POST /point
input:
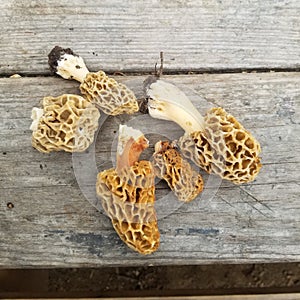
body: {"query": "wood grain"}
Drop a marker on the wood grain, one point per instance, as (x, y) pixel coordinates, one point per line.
(128, 35)
(52, 224)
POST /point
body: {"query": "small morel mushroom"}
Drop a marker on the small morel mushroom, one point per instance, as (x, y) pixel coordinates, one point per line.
(217, 143)
(182, 179)
(127, 193)
(67, 122)
(111, 97)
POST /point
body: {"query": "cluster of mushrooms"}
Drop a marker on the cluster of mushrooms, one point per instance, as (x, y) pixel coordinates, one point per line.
(217, 143)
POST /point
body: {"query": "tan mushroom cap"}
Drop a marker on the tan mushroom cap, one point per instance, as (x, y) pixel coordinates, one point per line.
(225, 148)
(182, 179)
(67, 123)
(131, 207)
(113, 98)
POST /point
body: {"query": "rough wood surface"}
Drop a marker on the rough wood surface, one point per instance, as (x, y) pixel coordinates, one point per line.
(128, 35)
(52, 224)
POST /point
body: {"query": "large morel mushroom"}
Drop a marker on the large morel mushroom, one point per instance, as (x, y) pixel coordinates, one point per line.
(127, 193)
(217, 143)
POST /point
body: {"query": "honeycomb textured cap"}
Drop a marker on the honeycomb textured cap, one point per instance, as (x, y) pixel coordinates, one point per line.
(113, 98)
(225, 148)
(139, 175)
(182, 179)
(68, 123)
(130, 207)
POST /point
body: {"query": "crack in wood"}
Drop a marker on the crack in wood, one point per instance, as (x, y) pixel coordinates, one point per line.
(190, 71)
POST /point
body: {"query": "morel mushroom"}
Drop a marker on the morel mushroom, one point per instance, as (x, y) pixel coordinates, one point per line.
(67, 122)
(113, 98)
(217, 143)
(182, 179)
(127, 193)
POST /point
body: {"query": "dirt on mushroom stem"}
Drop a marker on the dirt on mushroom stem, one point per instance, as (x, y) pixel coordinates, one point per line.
(56, 55)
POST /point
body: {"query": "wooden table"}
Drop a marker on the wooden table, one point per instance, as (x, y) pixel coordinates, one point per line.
(241, 55)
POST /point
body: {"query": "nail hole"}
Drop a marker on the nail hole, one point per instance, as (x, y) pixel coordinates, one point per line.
(4, 153)
(10, 205)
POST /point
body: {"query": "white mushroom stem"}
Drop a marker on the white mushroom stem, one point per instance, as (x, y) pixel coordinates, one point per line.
(158, 146)
(72, 67)
(131, 144)
(36, 114)
(168, 102)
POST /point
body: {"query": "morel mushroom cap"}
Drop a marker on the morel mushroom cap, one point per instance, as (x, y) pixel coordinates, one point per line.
(225, 148)
(67, 122)
(217, 143)
(111, 97)
(182, 179)
(127, 194)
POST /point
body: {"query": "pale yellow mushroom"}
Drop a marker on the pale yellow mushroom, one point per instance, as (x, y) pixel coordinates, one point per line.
(65, 123)
(127, 194)
(217, 142)
(182, 179)
(111, 97)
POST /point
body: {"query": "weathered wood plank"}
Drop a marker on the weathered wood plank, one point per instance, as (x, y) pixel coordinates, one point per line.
(52, 224)
(127, 36)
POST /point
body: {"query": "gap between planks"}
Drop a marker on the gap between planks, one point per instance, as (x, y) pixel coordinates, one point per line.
(200, 71)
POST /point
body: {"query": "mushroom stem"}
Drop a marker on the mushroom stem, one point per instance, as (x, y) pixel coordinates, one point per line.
(131, 143)
(36, 114)
(67, 64)
(72, 67)
(167, 102)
